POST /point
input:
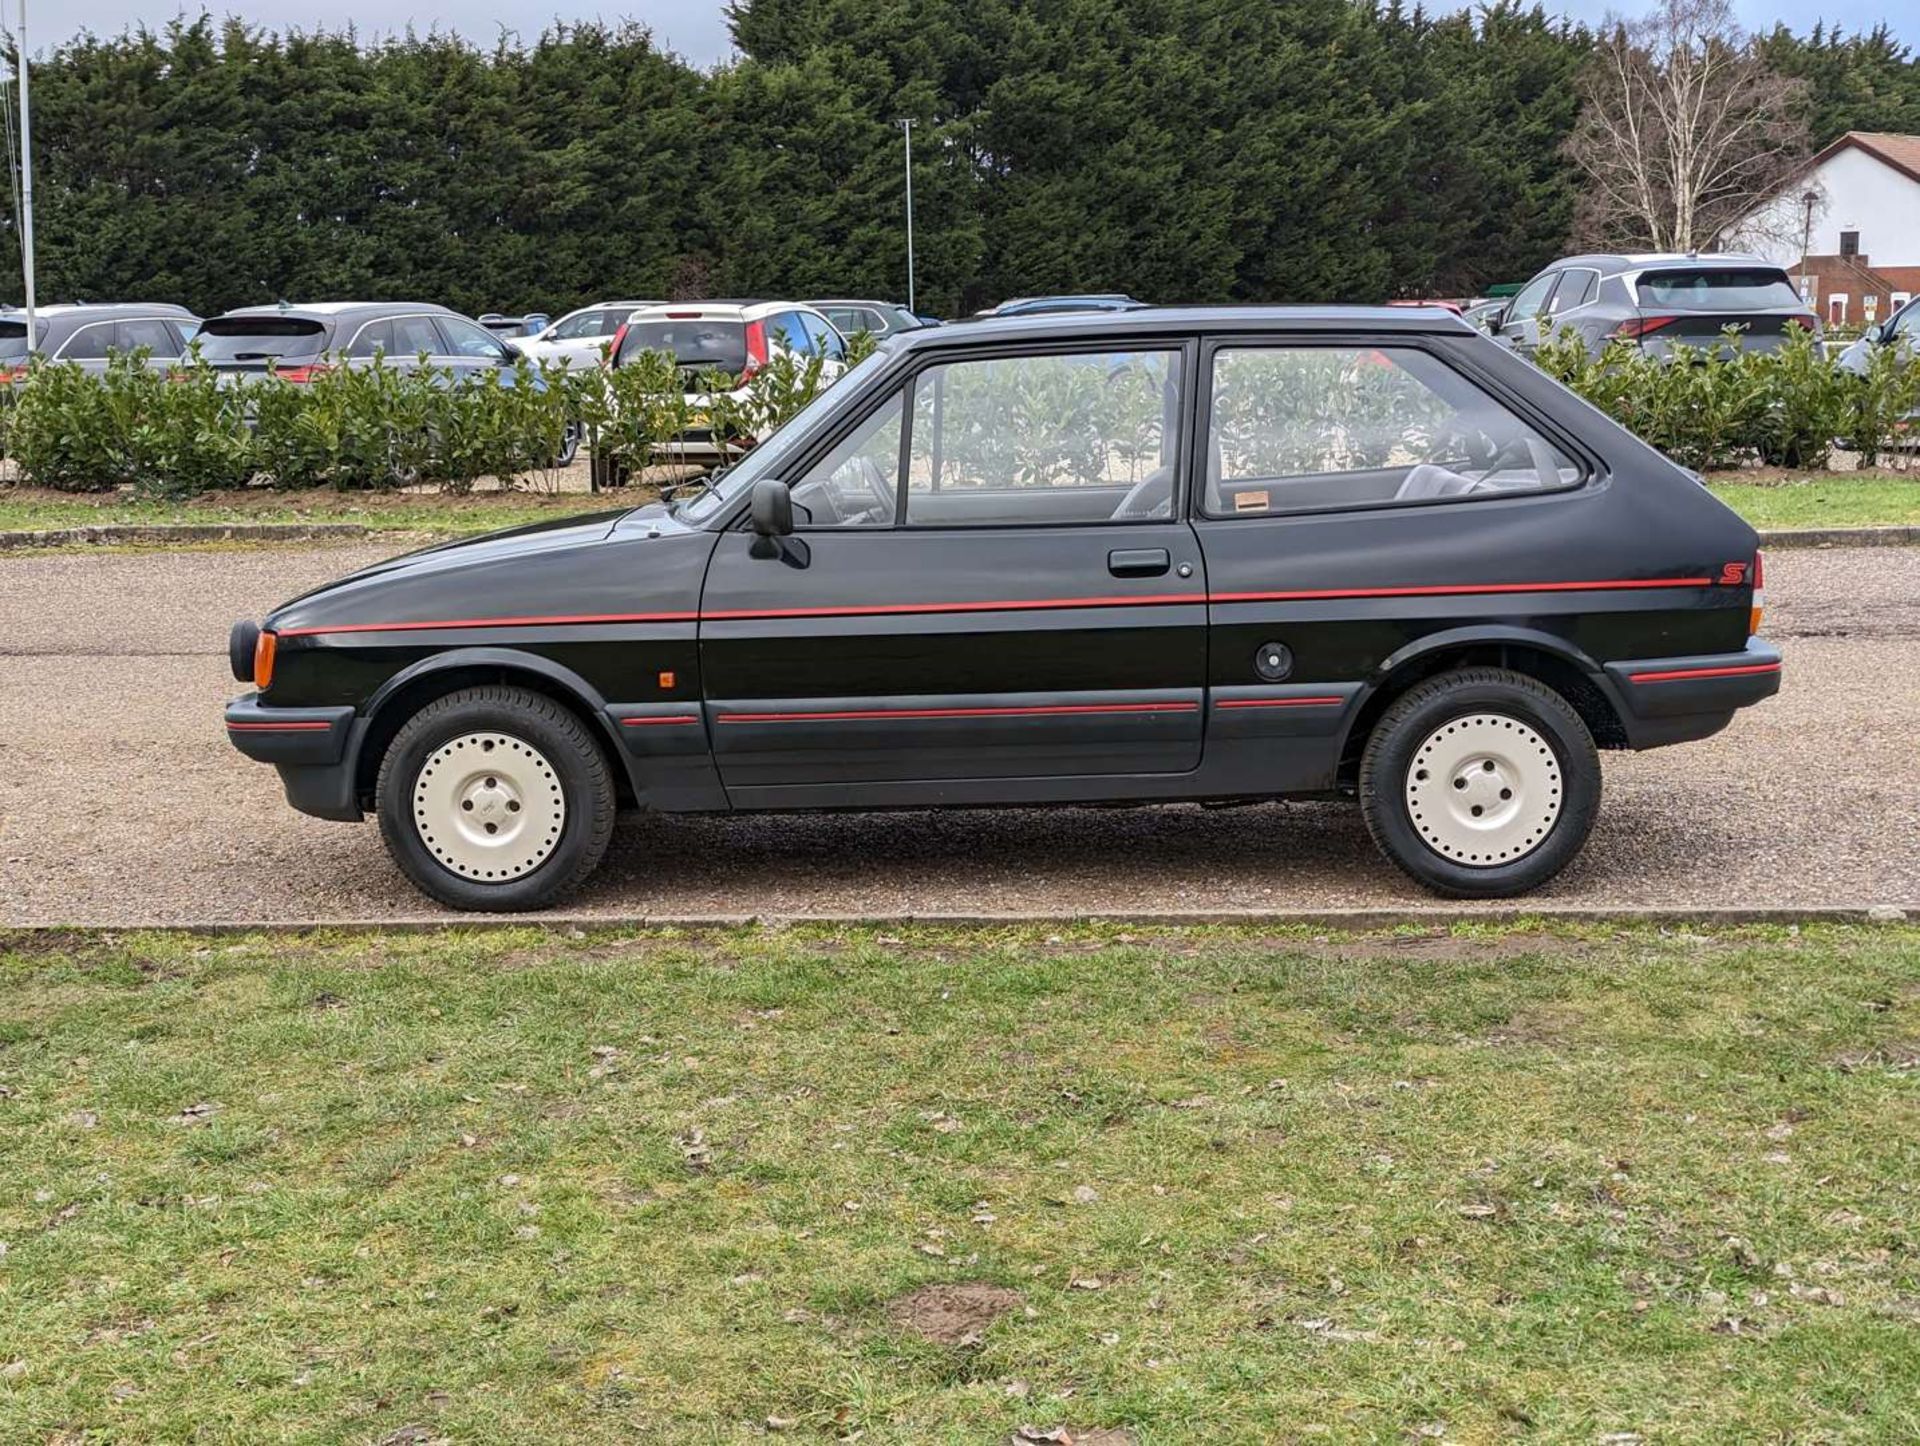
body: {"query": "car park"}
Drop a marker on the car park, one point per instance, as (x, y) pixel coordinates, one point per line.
(88, 334)
(580, 338)
(1656, 301)
(876, 318)
(1208, 554)
(726, 339)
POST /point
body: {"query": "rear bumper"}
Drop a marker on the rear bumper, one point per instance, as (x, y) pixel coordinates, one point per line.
(1672, 700)
(313, 748)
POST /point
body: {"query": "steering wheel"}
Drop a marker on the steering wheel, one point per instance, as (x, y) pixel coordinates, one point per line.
(1150, 497)
(855, 494)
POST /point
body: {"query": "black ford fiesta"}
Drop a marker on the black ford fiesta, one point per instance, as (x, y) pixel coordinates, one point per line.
(1156, 555)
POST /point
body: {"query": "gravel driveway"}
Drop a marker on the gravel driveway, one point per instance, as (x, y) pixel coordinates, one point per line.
(121, 803)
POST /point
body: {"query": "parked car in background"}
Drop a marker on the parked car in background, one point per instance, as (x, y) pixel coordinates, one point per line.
(877, 318)
(1092, 301)
(294, 343)
(580, 338)
(1655, 301)
(512, 328)
(1901, 334)
(88, 333)
(733, 338)
(1239, 553)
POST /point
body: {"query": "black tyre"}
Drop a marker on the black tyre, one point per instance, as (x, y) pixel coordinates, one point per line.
(1480, 784)
(569, 445)
(495, 798)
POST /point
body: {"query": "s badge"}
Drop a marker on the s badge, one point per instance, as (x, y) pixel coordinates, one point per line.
(1733, 574)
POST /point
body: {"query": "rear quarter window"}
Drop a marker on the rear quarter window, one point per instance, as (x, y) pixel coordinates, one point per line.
(13, 340)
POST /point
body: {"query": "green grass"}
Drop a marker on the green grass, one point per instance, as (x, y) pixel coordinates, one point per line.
(531, 1187)
(1823, 500)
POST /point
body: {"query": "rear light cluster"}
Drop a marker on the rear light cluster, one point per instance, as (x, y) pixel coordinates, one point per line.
(1759, 603)
(756, 349)
(1639, 326)
(613, 347)
(306, 372)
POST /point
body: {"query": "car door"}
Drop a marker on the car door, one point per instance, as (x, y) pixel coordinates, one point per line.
(990, 595)
(1520, 323)
(467, 347)
(1359, 493)
(154, 335)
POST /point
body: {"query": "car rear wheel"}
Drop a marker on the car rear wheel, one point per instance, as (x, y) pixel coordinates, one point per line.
(495, 798)
(1481, 783)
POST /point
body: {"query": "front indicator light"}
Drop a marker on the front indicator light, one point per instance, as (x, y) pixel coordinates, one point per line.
(263, 654)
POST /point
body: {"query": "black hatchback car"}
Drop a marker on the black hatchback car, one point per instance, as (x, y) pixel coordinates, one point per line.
(1657, 300)
(1182, 554)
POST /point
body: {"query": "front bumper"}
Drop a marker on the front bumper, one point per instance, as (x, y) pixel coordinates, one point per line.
(313, 748)
(1673, 700)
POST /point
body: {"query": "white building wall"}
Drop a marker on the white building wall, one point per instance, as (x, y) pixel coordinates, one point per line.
(1858, 193)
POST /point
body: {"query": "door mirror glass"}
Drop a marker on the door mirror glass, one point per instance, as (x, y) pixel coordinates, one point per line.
(771, 507)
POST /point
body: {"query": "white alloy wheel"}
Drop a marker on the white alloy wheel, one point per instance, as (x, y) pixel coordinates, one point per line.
(489, 806)
(1484, 789)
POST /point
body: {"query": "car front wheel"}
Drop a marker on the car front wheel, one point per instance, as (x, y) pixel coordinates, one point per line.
(495, 798)
(1481, 783)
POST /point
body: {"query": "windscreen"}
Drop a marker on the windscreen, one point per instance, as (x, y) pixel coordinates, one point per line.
(260, 338)
(721, 345)
(13, 340)
(1718, 288)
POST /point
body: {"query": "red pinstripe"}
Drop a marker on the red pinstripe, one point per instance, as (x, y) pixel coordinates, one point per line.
(1278, 702)
(1054, 709)
(275, 727)
(1679, 675)
(1002, 605)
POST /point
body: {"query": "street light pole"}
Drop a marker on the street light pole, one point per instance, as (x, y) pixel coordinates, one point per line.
(26, 175)
(905, 125)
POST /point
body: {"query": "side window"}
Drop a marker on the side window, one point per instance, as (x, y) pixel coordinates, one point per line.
(1085, 437)
(787, 328)
(374, 338)
(89, 343)
(464, 338)
(1307, 429)
(586, 324)
(1533, 296)
(413, 335)
(857, 484)
(149, 332)
(826, 340)
(1576, 288)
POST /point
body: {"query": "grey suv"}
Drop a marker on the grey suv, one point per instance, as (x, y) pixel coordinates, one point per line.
(1655, 301)
(87, 333)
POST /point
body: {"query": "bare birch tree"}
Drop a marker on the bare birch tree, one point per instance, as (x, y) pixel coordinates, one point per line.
(1683, 129)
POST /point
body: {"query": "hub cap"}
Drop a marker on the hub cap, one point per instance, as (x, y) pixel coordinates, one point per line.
(1484, 790)
(489, 807)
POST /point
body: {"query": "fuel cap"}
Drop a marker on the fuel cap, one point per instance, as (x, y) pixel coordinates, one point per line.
(1273, 661)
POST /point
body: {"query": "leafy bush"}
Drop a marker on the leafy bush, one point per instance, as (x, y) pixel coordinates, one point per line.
(1710, 407)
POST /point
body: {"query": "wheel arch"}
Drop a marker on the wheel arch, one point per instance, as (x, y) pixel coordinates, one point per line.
(1551, 660)
(413, 687)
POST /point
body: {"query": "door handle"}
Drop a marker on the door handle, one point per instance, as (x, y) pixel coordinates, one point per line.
(1138, 561)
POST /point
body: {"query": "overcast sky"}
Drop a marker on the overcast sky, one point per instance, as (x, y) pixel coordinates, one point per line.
(697, 28)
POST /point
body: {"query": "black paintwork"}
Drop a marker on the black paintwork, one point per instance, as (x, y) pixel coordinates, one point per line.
(880, 667)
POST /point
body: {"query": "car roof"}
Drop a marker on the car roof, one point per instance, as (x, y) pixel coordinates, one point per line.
(328, 310)
(855, 301)
(1639, 260)
(99, 308)
(1184, 320)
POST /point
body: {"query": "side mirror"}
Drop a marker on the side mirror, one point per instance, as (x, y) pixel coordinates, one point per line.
(771, 507)
(509, 353)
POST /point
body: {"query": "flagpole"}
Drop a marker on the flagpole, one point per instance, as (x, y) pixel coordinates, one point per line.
(26, 176)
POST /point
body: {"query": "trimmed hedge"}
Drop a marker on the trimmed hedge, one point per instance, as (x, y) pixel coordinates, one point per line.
(186, 431)
(1715, 407)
